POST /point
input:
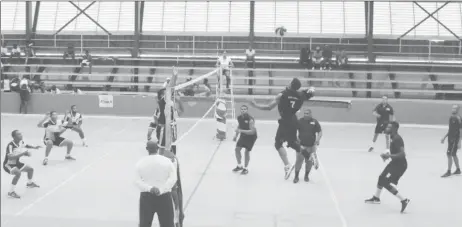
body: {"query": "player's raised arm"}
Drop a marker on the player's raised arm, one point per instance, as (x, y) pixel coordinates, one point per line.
(308, 93)
(42, 122)
(269, 106)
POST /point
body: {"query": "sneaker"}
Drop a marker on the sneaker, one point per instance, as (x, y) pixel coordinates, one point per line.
(288, 171)
(296, 180)
(314, 159)
(70, 158)
(457, 172)
(237, 169)
(371, 149)
(32, 185)
(404, 204)
(245, 171)
(373, 200)
(14, 195)
(307, 178)
(447, 174)
(45, 161)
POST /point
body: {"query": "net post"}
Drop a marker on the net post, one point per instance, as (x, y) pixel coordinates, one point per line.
(169, 100)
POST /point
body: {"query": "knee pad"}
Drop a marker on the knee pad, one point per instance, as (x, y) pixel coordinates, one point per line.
(277, 144)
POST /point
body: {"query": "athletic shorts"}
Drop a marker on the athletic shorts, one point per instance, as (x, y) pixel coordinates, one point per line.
(287, 131)
(380, 127)
(307, 150)
(394, 171)
(24, 94)
(246, 142)
(224, 72)
(57, 142)
(152, 125)
(452, 146)
(9, 167)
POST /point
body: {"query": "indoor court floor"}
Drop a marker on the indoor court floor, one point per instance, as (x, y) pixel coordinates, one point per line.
(98, 189)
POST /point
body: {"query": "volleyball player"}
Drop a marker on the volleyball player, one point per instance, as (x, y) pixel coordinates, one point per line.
(13, 165)
(395, 168)
(309, 134)
(247, 136)
(384, 114)
(53, 131)
(454, 136)
(288, 102)
(73, 120)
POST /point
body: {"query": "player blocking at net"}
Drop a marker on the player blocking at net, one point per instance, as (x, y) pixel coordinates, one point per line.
(247, 134)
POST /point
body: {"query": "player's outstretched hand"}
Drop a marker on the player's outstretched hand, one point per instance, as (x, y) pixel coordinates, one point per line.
(37, 147)
(253, 103)
(27, 153)
(385, 156)
(442, 140)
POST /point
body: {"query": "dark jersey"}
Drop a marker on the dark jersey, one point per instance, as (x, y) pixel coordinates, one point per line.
(13, 148)
(160, 112)
(244, 123)
(307, 130)
(455, 124)
(290, 102)
(385, 111)
(395, 147)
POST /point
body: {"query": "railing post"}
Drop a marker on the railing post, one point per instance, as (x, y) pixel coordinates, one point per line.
(399, 46)
(460, 46)
(222, 42)
(165, 42)
(194, 44)
(429, 48)
(108, 42)
(311, 43)
(81, 44)
(55, 40)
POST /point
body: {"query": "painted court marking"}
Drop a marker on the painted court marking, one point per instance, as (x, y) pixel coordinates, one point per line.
(63, 183)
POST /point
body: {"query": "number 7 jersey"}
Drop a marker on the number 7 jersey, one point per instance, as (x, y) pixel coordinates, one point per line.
(290, 103)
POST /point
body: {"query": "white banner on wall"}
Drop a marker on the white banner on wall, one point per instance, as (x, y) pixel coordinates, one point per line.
(106, 101)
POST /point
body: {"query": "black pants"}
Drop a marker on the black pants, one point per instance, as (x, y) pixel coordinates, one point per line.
(151, 204)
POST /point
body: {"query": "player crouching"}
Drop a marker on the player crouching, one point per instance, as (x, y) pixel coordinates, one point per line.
(53, 137)
(12, 164)
(73, 120)
(309, 134)
(247, 138)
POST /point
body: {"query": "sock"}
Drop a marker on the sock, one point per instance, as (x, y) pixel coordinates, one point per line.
(400, 197)
(288, 166)
(29, 181)
(12, 188)
(377, 193)
(239, 165)
(372, 145)
(296, 173)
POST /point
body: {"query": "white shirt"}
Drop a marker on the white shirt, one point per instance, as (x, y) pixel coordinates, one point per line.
(225, 62)
(4, 50)
(156, 171)
(250, 53)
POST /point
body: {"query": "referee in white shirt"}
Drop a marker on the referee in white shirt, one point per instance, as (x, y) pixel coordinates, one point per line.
(156, 177)
(225, 63)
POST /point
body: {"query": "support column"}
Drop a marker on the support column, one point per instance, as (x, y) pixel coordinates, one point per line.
(136, 43)
(370, 42)
(252, 23)
(28, 20)
(394, 85)
(36, 15)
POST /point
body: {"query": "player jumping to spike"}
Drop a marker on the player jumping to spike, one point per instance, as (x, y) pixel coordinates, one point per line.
(289, 103)
(454, 136)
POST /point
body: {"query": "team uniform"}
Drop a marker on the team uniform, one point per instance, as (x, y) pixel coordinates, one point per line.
(385, 111)
(307, 133)
(10, 164)
(51, 133)
(397, 167)
(455, 124)
(73, 119)
(160, 127)
(289, 104)
(245, 141)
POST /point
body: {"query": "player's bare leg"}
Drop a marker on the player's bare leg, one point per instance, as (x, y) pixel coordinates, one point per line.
(17, 175)
(48, 147)
(298, 165)
(69, 145)
(288, 168)
(452, 158)
(309, 162)
(384, 182)
(456, 162)
(30, 175)
(150, 130)
(246, 162)
(81, 134)
(238, 154)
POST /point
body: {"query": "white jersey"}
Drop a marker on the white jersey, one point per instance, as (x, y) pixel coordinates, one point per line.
(225, 63)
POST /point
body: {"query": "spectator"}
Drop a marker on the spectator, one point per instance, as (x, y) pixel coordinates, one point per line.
(86, 61)
(29, 51)
(342, 59)
(327, 57)
(4, 50)
(317, 58)
(224, 62)
(70, 52)
(250, 57)
(305, 58)
(24, 93)
(16, 51)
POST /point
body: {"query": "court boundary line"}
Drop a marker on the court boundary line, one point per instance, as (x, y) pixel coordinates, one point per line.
(63, 183)
(211, 119)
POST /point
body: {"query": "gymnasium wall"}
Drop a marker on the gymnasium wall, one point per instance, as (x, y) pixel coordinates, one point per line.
(407, 111)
